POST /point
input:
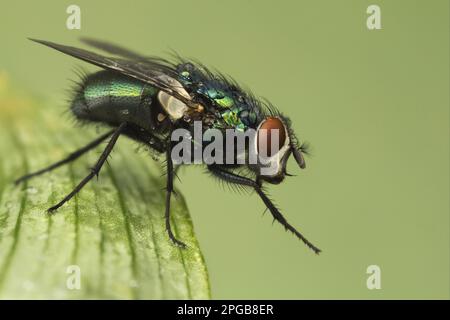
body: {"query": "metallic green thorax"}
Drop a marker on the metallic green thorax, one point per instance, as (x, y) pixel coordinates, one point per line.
(223, 99)
(229, 110)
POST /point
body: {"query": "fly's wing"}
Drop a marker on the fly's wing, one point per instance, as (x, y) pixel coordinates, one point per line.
(113, 49)
(153, 73)
(153, 63)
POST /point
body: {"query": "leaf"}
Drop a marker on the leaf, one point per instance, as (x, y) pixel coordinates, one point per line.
(113, 230)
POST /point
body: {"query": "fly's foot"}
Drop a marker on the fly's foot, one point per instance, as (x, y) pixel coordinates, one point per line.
(178, 243)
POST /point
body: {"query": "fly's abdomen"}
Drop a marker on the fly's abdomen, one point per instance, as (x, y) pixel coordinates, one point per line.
(113, 98)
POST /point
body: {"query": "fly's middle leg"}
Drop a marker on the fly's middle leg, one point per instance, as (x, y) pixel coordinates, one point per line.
(169, 190)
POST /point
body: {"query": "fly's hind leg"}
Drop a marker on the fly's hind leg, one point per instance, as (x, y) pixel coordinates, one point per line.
(96, 169)
(71, 157)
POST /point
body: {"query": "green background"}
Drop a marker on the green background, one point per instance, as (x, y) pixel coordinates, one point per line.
(373, 104)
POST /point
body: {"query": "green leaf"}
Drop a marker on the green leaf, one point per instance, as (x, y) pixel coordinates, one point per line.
(113, 230)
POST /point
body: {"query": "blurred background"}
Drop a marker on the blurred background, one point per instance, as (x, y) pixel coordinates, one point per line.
(374, 104)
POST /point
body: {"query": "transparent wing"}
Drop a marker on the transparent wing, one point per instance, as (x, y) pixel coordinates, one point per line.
(152, 72)
(113, 49)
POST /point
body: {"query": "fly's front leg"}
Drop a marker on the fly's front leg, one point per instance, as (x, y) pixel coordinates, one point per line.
(237, 179)
(169, 190)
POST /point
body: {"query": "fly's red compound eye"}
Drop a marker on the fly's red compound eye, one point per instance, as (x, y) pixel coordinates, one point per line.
(268, 131)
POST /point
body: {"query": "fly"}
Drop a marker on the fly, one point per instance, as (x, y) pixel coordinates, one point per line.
(148, 98)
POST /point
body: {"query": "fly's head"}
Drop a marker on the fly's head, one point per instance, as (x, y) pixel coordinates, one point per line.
(275, 142)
